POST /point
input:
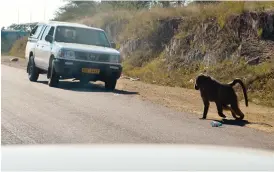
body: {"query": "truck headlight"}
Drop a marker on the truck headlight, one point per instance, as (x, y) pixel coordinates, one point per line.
(68, 54)
(114, 58)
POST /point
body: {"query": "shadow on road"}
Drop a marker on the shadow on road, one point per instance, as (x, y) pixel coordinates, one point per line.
(90, 87)
(234, 122)
(240, 123)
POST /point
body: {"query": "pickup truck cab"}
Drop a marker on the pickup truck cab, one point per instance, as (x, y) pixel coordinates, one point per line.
(72, 51)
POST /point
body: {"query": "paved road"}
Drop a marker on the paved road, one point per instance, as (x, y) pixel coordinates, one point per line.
(33, 113)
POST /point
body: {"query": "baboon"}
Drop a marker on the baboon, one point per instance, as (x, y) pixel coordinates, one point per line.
(222, 94)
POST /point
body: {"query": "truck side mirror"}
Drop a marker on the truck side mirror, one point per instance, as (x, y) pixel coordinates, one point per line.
(113, 45)
(49, 38)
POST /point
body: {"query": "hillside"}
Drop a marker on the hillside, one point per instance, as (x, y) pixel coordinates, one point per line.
(170, 46)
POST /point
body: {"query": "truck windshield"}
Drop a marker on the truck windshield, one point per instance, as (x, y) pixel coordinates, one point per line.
(79, 35)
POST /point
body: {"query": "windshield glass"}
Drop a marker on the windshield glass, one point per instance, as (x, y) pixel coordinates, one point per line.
(81, 36)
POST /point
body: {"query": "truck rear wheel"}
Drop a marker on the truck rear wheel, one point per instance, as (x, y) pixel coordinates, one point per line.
(33, 71)
(110, 84)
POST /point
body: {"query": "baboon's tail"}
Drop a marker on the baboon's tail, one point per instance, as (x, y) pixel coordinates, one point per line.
(234, 82)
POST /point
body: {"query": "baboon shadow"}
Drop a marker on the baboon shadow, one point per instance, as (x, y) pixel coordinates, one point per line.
(240, 123)
(90, 87)
(234, 122)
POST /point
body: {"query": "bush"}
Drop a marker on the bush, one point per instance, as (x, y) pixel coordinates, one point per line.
(18, 48)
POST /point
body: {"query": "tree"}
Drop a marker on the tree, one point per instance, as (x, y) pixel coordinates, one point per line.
(179, 3)
(74, 9)
(165, 4)
(206, 2)
(126, 4)
(79, 3)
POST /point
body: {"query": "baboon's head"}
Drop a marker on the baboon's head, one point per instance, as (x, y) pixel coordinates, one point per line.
(201, 80)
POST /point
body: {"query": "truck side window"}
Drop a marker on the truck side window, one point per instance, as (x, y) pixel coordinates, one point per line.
(102, 37)
(42, 32)
(33, 30)
(48, 31)
(36, 31)
(51, 31)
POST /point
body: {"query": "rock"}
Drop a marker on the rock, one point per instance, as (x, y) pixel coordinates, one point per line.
(131, 79)
(191, 81)
(253, 61)
(14, 59)
(124, 77)
(134, 79)
(256, 101)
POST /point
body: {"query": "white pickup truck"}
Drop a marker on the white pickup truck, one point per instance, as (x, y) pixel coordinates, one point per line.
(72, 51)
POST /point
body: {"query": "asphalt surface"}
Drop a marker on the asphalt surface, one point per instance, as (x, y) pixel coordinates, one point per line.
(34, 113)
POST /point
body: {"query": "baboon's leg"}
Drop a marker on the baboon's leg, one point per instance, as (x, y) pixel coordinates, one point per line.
(220, 110)
(233, 114)
(206, 106)
(226, 107)
(235, 108)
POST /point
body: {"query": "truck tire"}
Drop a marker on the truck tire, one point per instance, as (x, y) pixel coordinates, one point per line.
(110, 84)
(33, 71)
(53, 78)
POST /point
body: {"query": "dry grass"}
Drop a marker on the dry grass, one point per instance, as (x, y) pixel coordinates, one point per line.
(156, 72)
(101, 19)
(18, 48)
(142, 23)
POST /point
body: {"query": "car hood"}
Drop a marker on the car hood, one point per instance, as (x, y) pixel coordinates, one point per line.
(134, 157)
(87, 48)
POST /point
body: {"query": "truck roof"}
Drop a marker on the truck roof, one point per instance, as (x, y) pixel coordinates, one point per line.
(58, 23)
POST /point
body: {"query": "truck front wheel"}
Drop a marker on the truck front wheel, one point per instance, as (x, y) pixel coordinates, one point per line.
(110, 84)
(53, 77)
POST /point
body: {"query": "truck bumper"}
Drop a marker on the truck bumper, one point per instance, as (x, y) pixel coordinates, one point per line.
(73, 69)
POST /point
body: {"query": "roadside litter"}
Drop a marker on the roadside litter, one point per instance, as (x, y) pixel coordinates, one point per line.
(131, 79)
(216, 124)
(134, 79)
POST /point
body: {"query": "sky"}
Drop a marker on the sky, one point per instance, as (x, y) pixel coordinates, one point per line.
(29, 11)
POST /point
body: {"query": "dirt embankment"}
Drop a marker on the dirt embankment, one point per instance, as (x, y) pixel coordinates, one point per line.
(235, 46)
(185, 100)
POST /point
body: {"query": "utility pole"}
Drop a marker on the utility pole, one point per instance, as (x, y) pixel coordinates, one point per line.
(18, 15)
(30, 16)
(45, 5)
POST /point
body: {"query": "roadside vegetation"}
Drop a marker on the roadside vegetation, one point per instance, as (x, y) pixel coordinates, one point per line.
(204, 28)
(259, 79)
(18, 48)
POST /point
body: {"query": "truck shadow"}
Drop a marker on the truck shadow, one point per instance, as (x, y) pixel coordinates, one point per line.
(90, 87)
